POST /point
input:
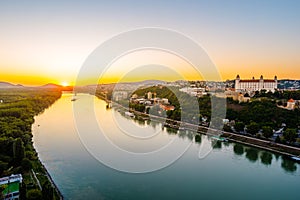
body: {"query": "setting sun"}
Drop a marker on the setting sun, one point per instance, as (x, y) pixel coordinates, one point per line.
(64, 83)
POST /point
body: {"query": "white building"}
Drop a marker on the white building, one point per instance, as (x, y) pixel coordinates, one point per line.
(251, 85)
(193, 91)
(11, 186)
(149, 95)
(291, 104)
(165, 101)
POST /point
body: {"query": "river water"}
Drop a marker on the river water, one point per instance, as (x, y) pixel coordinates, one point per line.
(229, 171)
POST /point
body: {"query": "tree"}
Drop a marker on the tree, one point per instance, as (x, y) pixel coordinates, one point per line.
(227, 128)
(246, 95)
(23, 191)
(277, 139)
(256, 94)
(2, 188)
(34, 194)
(3, 166)
(290, 135)
(267, 131)
(18, 151)
(239, 126)
(253, 128)
(26, 164)
(47, 191)
(263, 92)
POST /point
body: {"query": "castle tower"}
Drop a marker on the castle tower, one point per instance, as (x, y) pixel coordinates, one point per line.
(261, 83)
(237, 83)
(276, 82)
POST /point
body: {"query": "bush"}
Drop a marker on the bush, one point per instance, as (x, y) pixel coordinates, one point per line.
(26, 164)
(34, 194)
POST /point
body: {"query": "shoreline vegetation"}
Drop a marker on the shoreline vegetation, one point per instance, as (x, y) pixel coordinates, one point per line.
(263, 108)
(242, 139)
(18, 108)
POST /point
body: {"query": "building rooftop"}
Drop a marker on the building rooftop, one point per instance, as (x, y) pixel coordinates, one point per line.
(10, 188)
(256, 80)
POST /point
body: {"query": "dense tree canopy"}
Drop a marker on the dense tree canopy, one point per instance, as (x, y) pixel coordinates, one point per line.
(267, 131)
(17, 111)
(290, 135)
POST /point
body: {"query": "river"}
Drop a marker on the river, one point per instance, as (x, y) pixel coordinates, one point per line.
(229, 171)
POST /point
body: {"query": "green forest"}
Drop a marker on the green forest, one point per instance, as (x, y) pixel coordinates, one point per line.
(17, 155)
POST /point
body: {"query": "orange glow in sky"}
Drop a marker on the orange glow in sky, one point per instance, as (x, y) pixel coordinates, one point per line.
(48, 42)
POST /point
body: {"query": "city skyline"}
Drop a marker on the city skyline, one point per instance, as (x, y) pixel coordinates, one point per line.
(48, 42)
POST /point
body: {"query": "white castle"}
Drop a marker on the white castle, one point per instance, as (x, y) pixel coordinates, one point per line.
(251, 85)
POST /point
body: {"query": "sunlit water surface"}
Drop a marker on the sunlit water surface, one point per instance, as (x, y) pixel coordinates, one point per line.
(230, 171)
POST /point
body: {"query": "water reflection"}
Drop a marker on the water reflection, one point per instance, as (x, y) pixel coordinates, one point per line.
(288, 165)
(198, 138)
(70, 164)
(252, 154)
(216, 144)
(173, 131)
(140, 122)
(238, 149)
(266, 158)
(186, 134)
(190, 135)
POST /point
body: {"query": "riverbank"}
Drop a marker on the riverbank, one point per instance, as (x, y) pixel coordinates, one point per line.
(285, 150)
(263, 144)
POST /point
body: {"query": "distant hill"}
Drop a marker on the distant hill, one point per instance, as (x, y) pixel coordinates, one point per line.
(151, 82)
(9, 85)
(51, 85)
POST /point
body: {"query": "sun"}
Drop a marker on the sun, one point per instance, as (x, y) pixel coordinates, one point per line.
(64, 83)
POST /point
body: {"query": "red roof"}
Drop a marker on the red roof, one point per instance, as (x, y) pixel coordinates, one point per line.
(167, 107)
(291, 101)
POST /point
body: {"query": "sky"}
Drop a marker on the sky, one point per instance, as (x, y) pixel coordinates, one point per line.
(49, 41)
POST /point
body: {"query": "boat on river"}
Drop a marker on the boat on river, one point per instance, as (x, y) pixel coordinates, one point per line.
(222, 139)
(296, 158)
(129, 114)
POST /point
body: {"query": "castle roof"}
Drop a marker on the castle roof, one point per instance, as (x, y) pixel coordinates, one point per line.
(269, 80)
(257, 81)
(249, 80)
